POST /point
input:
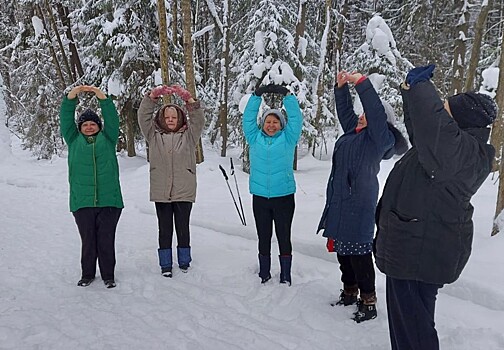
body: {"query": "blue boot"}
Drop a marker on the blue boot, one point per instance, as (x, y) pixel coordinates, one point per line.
(165, 261)
(264, 268)
(184, 258)
(285, 268)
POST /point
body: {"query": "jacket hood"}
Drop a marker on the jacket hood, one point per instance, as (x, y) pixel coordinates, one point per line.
(160, 122)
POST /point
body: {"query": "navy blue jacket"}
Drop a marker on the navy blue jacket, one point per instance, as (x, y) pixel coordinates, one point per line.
(352, 190)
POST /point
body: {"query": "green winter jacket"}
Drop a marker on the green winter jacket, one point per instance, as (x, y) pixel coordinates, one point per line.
(93, 172)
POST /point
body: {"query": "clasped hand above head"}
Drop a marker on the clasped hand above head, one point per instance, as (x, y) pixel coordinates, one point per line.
(169, 90)
(86, 88)
(343, 77)
(272, 88)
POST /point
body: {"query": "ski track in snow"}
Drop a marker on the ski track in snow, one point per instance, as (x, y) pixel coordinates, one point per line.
(219, 303)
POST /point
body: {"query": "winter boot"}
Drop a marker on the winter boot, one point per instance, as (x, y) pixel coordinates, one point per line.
(348, 296)
(84, 282)
(109, 283)
(184, 258)
(285, 269)
(264, 268)
(366, 308)
(165, 261)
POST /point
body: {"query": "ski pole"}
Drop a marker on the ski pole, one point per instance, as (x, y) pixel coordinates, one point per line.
(232, 196)
(238, 191)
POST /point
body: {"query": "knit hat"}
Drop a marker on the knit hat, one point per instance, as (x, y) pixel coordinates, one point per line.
(472, 109)
(89, 115)
(181, 120)
(278, 113)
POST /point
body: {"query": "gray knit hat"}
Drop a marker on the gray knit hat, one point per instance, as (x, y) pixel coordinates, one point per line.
(276, 112)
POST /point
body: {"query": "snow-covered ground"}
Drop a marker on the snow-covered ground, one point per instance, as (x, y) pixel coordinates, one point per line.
(220, 303)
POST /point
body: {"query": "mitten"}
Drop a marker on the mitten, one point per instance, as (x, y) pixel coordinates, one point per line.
(160, 91)
(279, 89)
(419, 74)
(181, 92)
(260, 90)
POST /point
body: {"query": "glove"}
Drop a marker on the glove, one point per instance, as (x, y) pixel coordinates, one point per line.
(274, 89)
(161, 90)
(181, 92)
(279, 89)
(419, 74)
(330, 245)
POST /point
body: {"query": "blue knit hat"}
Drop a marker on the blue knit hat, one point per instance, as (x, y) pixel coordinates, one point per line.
(89, 116)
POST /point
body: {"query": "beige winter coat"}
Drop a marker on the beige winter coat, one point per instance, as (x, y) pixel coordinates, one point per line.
(172, 155)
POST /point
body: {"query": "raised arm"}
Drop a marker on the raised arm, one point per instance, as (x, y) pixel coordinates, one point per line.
(294, 119)
(196, 120)
(145, 114)
(344, 104)
(68, 127)
(438, 139)
(250, 128)
(375, 115)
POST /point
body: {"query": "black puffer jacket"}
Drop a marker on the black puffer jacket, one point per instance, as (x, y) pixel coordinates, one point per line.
(424, 217)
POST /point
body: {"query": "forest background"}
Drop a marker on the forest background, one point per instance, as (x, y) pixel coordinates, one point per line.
(222, 50)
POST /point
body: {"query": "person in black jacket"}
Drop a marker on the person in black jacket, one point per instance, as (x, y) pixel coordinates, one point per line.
(424, 217)
(352, 190)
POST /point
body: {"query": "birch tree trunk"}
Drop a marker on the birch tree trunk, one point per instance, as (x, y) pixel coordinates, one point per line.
(189, 62)
(163, 43)
(478, 38)
(497, 138)
(338, 47)
(320, 74)
(224, 79)
(460, 48)
(298, 72)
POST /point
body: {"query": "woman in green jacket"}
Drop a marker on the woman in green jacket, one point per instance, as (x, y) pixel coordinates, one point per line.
(95, 192)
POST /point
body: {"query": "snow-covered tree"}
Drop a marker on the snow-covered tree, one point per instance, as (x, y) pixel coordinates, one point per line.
(379, 54)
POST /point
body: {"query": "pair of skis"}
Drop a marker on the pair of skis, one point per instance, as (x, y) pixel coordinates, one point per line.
(241, 213)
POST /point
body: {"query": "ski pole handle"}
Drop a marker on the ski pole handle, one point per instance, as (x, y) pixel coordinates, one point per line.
(223, 172)
(232, 166)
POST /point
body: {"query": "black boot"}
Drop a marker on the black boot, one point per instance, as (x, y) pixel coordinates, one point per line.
(348, 296)
(285, 269)
(366, 308)
(264, 268)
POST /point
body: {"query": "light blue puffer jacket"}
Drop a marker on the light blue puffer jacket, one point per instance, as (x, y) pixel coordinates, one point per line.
(272, 157)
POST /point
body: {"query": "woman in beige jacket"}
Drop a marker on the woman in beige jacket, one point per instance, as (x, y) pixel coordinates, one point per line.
(172, 138)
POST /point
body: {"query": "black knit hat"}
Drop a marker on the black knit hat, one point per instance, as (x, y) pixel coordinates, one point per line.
(89, 115)
(472, 109)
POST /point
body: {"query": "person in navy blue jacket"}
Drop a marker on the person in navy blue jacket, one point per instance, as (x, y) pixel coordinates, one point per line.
(424, 219)
(352, 191)
(272, 185)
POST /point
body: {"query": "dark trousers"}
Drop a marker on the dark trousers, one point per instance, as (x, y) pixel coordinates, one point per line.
(358, 270)
(166, 212)
(97, 228)
(410, 306)
(278, 210)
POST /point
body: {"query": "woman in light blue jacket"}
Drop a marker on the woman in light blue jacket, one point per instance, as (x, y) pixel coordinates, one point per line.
(272, 144)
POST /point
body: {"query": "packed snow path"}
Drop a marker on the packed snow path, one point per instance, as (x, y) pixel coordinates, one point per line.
(220, 303)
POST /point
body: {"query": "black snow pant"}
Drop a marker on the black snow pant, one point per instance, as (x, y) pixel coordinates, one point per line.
(278, 210)
(358, 270)
(410, 307)
(166, 212)
(97, 228)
